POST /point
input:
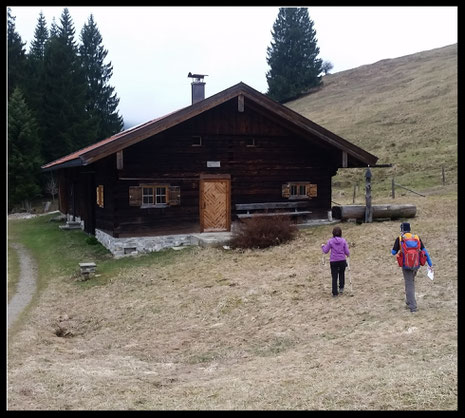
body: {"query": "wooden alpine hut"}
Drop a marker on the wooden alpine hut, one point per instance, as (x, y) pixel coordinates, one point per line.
(233, 155)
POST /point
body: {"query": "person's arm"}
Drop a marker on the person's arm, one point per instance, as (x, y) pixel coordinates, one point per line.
(396, 247)
(325, 247)
(428, 258)
(346, 249)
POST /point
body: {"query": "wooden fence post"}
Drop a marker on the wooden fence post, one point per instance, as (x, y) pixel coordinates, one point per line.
(443, 176)
(368, 207)
(393, 189)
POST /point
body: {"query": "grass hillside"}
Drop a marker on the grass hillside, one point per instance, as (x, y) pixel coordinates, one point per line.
(218, 329)
(402, 110)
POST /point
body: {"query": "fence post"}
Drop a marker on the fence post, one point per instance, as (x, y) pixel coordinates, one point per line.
(368, 207)
(393, 189)
(443, 176)
(353, 198)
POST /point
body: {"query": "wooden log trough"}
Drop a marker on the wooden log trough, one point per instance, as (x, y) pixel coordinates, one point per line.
(357, 212)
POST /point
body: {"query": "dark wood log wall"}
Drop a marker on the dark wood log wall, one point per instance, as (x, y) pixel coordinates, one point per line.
(257, 172)
(105, 174)
(62, 191)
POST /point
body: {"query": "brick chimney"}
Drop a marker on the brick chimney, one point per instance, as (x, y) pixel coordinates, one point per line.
(198, 87)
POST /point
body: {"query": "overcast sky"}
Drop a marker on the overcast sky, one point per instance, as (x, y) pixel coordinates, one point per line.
(152, 49)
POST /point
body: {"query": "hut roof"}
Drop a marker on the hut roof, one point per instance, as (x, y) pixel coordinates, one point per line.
(252, 98)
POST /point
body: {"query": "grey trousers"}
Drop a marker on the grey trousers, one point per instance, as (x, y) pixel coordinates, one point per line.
(409, 279)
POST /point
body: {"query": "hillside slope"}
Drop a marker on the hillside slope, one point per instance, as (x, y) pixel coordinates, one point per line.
(403, 110)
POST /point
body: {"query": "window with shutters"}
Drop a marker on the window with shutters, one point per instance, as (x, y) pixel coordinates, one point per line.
(154, 195)
(100, 195)
(299, 190)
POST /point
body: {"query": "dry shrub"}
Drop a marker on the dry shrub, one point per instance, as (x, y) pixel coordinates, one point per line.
(263, 232)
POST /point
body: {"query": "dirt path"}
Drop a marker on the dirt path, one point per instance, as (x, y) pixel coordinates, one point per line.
(26, 284)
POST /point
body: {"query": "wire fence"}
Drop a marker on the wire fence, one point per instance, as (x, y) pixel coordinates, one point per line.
(394, 185)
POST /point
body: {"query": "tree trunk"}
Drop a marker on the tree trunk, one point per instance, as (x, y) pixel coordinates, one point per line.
(379, 211)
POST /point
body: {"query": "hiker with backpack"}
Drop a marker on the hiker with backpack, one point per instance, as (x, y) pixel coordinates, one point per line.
(411, 254)
(337, 259)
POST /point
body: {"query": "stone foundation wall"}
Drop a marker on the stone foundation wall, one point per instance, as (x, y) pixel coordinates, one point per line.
(121, 247)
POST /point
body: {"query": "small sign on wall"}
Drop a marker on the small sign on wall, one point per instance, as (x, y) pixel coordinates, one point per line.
(213, 163)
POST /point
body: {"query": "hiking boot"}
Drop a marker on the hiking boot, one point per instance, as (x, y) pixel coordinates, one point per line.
(341, 290)
(334, 295)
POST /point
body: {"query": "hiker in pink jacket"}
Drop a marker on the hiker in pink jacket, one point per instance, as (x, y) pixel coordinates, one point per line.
(337, 259)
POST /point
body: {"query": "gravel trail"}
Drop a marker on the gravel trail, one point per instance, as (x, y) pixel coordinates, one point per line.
(26, 285)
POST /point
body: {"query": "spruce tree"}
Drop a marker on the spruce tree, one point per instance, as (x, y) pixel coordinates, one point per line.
(102, 100)
(37, 49)
(292, 56)
(16, 56)
(34, 85)
(53, 28)
(67, 125)
(23, 152)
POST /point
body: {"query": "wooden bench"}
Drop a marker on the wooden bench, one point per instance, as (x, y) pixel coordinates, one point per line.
(276, 208)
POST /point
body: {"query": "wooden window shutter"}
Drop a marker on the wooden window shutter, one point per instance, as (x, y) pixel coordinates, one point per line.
(135, 196)
(312, 190)
(286, 190)
(174, 195)
(100, 196)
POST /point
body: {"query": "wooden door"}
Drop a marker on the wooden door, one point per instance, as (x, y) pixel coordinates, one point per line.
(215, 206)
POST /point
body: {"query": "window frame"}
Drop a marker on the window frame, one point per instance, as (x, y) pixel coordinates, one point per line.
(196, 141)
(148, 194)
(164, 195)
(250, 142)
(155, 194)
(298, 187)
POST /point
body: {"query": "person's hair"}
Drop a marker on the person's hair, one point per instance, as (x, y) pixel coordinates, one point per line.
(337, 232)
(405, 227)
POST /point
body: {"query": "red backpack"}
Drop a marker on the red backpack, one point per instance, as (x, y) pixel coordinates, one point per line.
(410, 256)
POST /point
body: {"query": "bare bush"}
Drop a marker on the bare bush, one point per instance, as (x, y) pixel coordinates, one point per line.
(263, 232)
(52, 188)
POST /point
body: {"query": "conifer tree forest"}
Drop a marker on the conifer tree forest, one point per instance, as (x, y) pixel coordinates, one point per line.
(59, 100)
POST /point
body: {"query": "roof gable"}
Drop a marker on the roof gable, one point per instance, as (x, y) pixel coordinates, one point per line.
(253, 97)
